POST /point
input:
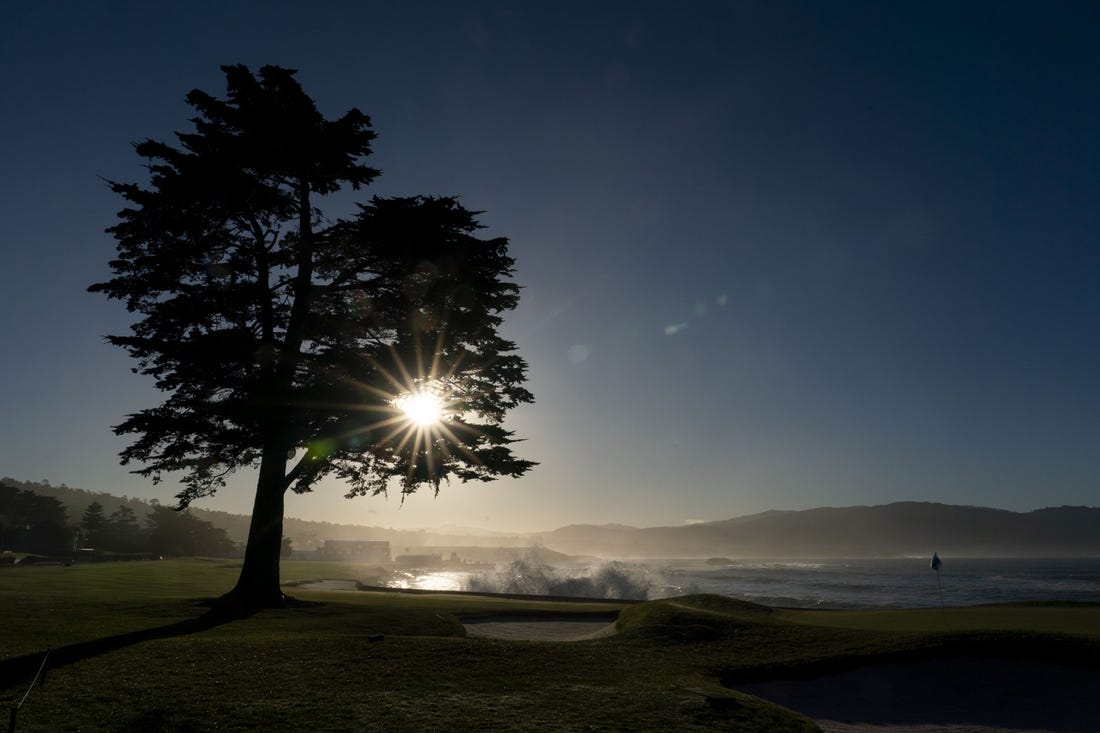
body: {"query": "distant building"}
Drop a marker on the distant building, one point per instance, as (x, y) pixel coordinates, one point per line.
(356, 550)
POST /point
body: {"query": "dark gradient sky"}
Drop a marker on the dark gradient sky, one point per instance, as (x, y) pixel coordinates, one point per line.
(774, 255)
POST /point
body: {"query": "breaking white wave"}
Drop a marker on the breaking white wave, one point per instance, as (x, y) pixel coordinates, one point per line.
(531, 576)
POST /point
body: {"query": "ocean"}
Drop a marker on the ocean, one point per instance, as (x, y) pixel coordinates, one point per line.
(891, 583)
(837, 584)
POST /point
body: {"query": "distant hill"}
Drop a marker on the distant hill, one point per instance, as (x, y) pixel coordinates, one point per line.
(904, 528)
(887, 530)
(77, 500)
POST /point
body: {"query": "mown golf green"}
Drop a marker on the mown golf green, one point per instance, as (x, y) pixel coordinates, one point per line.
(133, 653)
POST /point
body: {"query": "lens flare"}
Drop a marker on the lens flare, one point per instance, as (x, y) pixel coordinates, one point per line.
(422, 408)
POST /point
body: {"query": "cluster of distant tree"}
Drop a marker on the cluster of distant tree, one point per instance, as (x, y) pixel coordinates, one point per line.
(33, 523)
(305, 534)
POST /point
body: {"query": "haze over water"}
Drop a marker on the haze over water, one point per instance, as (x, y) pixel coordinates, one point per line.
(862, 583)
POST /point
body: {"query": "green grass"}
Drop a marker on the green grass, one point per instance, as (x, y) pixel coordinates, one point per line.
(1076, 619)
(316, 668)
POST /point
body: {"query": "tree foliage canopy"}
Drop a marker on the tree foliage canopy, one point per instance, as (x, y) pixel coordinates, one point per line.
(32, 523)
(277, 333)
(24, 508)
(176, 533)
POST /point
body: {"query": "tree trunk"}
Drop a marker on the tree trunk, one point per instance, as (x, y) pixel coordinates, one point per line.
(258, 585)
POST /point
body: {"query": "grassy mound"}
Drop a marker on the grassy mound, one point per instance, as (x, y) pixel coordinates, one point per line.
(689, 619)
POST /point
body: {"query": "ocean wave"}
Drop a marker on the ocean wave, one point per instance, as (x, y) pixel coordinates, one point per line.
(531, 576)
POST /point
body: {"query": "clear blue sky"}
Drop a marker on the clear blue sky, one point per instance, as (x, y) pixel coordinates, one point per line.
(775, 255)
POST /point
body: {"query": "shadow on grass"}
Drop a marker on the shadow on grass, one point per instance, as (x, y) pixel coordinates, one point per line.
(998, 680)
(15, 670)
(995, 692)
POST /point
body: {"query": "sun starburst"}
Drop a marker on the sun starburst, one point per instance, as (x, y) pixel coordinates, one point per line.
(423, 408)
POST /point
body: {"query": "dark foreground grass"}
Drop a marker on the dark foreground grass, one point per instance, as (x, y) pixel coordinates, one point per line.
(137, 661)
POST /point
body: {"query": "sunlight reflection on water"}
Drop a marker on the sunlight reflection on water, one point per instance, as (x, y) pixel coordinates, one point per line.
(429, 580)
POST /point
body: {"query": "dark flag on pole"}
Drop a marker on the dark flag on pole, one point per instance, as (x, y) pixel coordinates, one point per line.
(935, 565)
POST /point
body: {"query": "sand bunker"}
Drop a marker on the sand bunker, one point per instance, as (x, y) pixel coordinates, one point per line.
(549, 628)
(962, 694)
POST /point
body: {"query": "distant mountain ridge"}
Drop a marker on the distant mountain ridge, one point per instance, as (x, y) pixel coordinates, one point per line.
(885, 530)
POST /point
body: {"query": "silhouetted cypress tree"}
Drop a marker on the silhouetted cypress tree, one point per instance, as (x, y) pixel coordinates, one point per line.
(283, 342)
(94, 524)
(123, 532)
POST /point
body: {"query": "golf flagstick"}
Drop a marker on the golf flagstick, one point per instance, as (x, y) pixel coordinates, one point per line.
(936, 566)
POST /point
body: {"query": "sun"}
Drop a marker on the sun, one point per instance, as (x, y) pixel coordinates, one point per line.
(423, 409)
